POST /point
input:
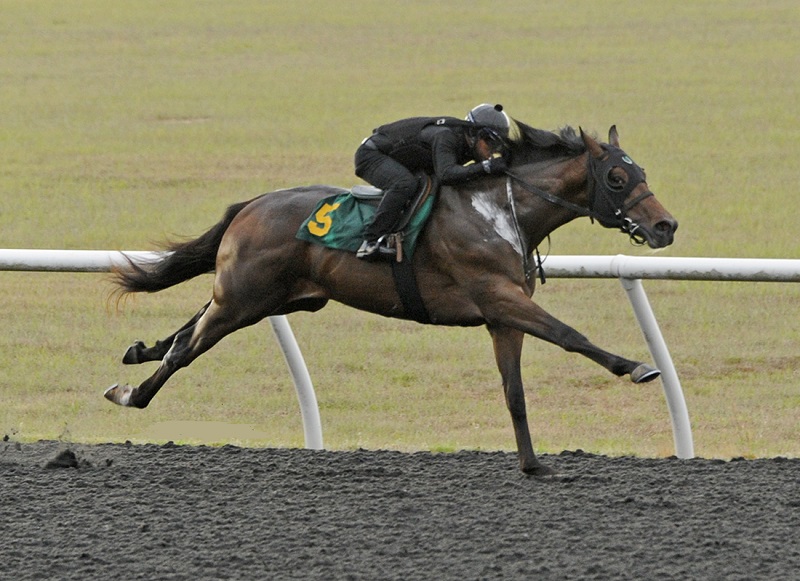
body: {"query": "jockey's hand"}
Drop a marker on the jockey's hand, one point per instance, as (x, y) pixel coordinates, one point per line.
(495, 165)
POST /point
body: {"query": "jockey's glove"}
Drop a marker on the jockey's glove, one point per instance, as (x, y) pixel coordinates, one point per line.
(494, 166)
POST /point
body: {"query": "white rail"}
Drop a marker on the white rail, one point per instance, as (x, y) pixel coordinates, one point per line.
(652, 267)
(69, 260)
(630, 270)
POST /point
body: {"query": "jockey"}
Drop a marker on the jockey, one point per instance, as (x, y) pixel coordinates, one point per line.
(440, 146)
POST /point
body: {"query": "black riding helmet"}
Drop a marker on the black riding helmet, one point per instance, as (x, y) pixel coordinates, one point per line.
(492, 119)
(494, 125)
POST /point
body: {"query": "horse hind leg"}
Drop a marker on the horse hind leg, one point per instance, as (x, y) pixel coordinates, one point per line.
(140, 353)
(140, 397)
(174, 359)
(189, 343)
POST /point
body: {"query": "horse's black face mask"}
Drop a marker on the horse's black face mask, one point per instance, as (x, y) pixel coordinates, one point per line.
(609, 193)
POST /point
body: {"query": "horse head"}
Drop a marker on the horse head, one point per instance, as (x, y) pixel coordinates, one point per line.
(619, 196)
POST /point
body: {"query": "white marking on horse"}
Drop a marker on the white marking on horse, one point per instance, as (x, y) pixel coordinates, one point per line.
(498, 218)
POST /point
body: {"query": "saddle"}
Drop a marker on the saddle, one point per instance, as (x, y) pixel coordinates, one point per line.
(339, 221)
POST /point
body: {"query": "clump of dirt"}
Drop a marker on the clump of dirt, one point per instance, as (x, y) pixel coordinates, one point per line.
(64, 459)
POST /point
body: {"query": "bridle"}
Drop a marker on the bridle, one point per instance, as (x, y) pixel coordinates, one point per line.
(606, 198)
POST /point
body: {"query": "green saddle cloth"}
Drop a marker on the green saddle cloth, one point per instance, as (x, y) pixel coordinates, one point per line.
(339, 222)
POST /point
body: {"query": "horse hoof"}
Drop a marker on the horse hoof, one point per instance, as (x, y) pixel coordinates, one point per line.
(119, 394)
(131, 356)
(644, 373)
(540, 471)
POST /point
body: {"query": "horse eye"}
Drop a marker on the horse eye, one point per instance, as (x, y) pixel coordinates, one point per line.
(616, 181)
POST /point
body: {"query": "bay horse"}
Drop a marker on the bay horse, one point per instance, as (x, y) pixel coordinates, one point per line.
(473, 262)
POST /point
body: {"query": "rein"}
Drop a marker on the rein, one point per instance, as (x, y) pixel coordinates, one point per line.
(526, 263)
(580, 210)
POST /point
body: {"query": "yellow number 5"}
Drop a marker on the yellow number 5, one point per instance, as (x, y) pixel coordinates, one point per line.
(323, 220)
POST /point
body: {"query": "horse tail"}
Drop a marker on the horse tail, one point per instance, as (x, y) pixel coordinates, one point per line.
(180, 262)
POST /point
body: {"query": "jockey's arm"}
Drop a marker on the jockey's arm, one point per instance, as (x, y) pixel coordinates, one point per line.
(449, 149)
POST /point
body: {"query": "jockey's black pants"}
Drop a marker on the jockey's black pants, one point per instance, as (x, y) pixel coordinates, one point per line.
(398, 183)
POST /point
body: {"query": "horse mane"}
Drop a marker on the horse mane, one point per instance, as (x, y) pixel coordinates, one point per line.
(537, 144)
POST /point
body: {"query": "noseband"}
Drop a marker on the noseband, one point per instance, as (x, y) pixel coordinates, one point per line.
(606, 198)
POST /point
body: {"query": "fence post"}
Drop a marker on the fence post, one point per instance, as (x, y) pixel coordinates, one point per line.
(679, 414)
(312, 426)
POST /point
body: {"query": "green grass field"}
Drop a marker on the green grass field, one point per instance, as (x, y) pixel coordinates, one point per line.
(126, 123)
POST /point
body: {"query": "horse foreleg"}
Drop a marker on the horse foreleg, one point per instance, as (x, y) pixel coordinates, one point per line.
(140, 353)
(517, 311)
(571, 340)
(508, 351)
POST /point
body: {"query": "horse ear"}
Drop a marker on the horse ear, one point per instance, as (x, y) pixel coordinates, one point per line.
(591, 145)
(613, 136)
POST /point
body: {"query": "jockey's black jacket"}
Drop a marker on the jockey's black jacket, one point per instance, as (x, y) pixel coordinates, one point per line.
(434, 145)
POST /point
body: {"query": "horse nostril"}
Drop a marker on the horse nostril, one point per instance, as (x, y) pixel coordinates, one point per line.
(667, 226)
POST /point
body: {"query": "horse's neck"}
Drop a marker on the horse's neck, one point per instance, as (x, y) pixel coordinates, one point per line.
(568, 174)
(566, 179)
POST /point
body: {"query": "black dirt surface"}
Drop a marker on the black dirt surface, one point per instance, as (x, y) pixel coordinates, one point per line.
(120, 511)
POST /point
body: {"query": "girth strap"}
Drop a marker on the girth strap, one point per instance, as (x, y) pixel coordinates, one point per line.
(406, 284)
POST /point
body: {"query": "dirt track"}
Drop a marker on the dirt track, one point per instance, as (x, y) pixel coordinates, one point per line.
(174, 512)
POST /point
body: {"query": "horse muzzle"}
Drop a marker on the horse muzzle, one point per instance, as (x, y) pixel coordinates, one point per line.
(659, 235)
(647, 222)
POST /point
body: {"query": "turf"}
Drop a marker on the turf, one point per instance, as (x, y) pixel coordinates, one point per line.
(127, 123)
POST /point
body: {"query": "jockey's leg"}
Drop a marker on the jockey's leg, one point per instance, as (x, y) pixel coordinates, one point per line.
(399, 186)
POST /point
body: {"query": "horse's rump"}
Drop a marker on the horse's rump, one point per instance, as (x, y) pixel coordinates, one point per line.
(182, 261)
(186, 259)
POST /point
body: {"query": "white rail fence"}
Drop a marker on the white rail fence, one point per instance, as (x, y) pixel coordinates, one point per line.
(630, 270)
